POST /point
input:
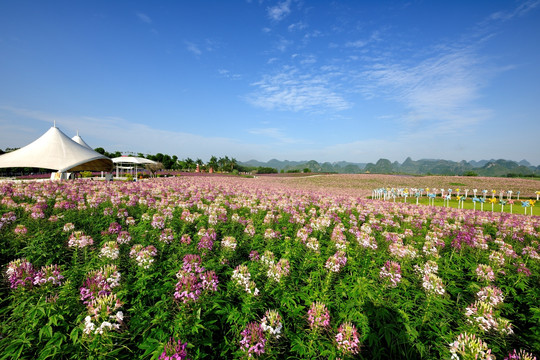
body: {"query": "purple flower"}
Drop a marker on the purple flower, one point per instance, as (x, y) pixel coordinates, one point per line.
(253, 340)
(114, 228)
(167, 236)
(48, 274)
(521, 355)
(174, 350)
(254, 255)
(206, 243)
(20, 272)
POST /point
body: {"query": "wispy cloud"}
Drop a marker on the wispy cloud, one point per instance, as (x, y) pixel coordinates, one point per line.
(193, 48)
(229, 75)
(293, 90)
(520, 10)
(308, 59)
(197, 48)
(375, 36)
(297, 26)
(440, 89)
(283, 44)
(279, 11)
(144, 18)
(356, 43)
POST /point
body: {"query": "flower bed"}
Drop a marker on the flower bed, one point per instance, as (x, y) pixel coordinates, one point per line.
(222, 267)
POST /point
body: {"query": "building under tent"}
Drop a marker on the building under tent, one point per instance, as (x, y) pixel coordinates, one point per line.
(130, 164)
(56, 151)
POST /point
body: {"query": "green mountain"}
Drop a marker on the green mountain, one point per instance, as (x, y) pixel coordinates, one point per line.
(409, 166)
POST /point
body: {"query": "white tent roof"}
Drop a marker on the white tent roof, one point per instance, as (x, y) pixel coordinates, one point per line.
(55, 150)
(80, 141)
(132, 160)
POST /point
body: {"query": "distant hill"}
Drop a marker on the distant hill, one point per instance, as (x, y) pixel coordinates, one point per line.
(447, 167)
(491, 167)
(341, 167)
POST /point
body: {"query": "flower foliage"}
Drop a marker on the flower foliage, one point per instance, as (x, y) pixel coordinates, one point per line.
(242, 268)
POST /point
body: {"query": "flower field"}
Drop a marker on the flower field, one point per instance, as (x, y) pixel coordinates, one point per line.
(224, 267)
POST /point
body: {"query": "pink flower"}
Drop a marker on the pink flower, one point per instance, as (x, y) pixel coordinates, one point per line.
(391, 271)
(318, 316)
(21, 230)
(347, 339)
(485, 273)
(336, 262)
(253, 340)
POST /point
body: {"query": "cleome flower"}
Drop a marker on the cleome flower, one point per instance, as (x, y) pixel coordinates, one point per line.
(110, 250)
(242, 278)
(228, 243)
(48, 274)
(336, 262)
(253, 340)
(521, 355)
(484, 273)
(391, 272)
(104, 315)
(278, 270)
(470, 347)
(193, 279)
(347, 339)
(174, 350)
(271, 323)
(123, 237)
(144, 256)
(20, 273)
(79, 240)
(318, 316)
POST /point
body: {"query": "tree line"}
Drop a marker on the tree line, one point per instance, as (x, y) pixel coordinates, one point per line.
(217, 164)
(167, 162)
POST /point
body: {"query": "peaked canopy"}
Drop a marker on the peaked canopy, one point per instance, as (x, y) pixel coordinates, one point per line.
(55, 150)
(132, 160)
(80, 141)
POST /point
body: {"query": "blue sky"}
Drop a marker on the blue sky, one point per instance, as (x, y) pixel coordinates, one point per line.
(292, 80)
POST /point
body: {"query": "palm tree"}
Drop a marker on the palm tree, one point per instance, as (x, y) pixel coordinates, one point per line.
(190, 164)
(213, 163)
(233, 163)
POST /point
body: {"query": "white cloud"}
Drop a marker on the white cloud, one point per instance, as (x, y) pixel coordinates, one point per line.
(229, 75)
(283, 44)
(521, 10)
(292, 90)
(356, 44)
(193, 48)
(441, 89)
(308, 59)
(297, 26)
(279, 11)
(144, 18)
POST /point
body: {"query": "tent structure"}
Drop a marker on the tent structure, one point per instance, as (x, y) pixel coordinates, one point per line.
(130, 163)
(80, 141)
(56, 151)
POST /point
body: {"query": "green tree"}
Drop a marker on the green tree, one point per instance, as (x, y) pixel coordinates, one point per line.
(213, 163)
